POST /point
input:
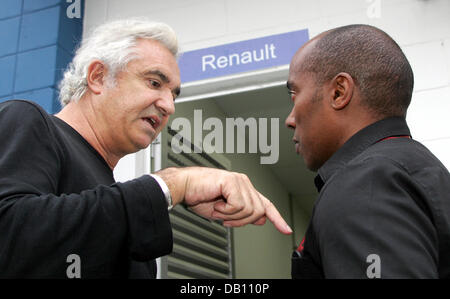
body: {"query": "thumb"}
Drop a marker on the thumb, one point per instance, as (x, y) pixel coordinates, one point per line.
(260, 221)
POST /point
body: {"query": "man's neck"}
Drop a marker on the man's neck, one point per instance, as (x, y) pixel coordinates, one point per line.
(81, 118)
(355, 121)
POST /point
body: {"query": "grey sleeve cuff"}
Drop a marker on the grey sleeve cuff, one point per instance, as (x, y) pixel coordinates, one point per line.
(164, 189)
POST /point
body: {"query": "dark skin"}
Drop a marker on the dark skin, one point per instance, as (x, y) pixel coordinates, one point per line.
(323, 117)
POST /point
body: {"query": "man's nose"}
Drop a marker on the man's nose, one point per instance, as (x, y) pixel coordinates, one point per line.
(290, 121)
(166, 103)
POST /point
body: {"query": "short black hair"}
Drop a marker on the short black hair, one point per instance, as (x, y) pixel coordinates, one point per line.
(373, 59)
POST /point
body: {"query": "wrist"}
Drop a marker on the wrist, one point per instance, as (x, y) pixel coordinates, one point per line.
(176, 180)
(165, 190)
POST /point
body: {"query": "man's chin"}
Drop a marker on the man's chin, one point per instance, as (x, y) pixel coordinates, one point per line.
(143, 143)
(311, 164)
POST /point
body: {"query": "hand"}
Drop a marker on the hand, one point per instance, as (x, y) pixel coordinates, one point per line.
(222, 195)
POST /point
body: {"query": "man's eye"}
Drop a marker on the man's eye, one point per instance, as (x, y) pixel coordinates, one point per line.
(155, 83)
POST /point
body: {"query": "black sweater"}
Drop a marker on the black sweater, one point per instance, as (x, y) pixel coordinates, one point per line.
(58, 197)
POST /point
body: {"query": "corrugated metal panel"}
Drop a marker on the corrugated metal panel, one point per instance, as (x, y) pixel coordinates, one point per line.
(202, 248)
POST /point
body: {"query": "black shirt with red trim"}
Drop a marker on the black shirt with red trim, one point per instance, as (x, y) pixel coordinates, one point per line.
(383, 210)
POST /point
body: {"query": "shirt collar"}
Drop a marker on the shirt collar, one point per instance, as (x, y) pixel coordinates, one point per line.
(392, 126)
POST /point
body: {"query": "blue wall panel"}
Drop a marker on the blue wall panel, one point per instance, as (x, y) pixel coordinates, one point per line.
(40, 96)
(39, 29)
(70, 31)
(36, 69)
(37, 41)
(7, 65)
(10, 8)
(9, 34)
(31, 5)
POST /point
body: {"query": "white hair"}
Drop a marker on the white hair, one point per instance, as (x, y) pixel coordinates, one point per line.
(114, 44)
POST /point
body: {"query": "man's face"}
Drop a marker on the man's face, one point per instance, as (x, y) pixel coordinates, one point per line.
(309, 118)
(138, 107)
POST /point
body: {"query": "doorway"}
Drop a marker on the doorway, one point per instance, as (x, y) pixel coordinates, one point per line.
(281, 177)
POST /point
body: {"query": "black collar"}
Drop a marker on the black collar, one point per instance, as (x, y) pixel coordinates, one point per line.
(393, 126)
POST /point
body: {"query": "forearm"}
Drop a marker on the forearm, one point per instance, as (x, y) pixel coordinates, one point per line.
(176, 180)
(99, 225)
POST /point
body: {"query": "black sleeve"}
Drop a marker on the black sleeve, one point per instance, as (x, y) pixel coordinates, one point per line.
(369, 224)
(39, 228)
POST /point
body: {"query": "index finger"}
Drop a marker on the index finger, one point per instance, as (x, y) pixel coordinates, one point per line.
(275, 217)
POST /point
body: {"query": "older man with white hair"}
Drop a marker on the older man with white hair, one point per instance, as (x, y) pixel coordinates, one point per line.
(58, 197)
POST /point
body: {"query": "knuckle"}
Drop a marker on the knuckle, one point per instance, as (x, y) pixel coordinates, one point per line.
(248, 210)
(245, 177)
(240, 206)
(259, 213)
(261, 210)
(233, 175)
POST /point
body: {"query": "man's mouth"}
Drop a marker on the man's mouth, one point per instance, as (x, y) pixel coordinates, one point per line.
(297, 146)
(153, 121)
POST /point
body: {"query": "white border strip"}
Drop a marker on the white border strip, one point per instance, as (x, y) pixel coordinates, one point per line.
(230, 91)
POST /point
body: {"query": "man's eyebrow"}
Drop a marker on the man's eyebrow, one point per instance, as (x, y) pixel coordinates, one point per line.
(159, 74)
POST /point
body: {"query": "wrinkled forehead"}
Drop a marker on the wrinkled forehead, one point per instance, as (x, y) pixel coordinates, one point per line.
(154, 55)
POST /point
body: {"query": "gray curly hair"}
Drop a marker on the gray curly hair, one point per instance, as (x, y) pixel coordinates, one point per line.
(114, 44)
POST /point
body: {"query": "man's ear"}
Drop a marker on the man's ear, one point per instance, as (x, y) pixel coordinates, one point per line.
(342, 87)
(96, 76)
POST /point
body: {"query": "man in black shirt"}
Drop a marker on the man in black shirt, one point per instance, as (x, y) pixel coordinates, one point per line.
(383, 209)
(58, 198)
